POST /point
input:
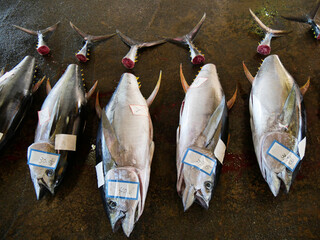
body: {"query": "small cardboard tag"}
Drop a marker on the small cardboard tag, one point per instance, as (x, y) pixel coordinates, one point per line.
(198, 82)
(123, 189)
(44, 116)
(139, 110)
(283, 155)
(66, 142)
(301, 146)
(220, 150)
(100, 177)
(43, 159)
(1, 134)
(200, 161)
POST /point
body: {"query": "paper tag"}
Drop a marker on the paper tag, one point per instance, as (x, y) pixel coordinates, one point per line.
(66, 142)
(43, 159)
(1, 134)
(200, 161)
(123, 189)
(139, 110)
(283, 155)
(100, 177)
(44, 116)
(198, 82)
(301, 146)
(220, 150)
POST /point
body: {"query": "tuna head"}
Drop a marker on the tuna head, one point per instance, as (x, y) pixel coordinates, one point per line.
(123, 198)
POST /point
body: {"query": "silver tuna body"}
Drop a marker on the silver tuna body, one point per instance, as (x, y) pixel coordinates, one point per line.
(203, 132)
(277, 117)
(62, 115)
(15, 97)
(125, 148)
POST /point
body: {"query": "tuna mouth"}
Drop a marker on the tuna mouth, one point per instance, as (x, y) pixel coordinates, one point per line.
(118, 222)
(41, 182)
(191, 195)
(198, 59)
(128, 63)
(264, 49)
(81, 58)
(43, 50)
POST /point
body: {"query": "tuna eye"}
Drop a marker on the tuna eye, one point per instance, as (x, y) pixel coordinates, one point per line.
(112, 205)
(49, 173)
(208, 185)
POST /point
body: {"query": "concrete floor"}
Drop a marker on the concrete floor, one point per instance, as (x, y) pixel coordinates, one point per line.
(243, 207)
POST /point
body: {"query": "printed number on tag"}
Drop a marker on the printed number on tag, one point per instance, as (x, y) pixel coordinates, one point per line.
(66, 142)
(139, 110)
(100, 177)
(199, 81)
(200, 161)
(1, 134)
(123, 189)
(283, 155)
(44, 116)
(43, 159)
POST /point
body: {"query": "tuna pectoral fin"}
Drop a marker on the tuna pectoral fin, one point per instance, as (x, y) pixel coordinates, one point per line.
(305, 87)
(183, 80)
(247, 73)
(91, 91)
(37, 85)
(232, 100)
(155, 91)
(188, 197)
(191, 35)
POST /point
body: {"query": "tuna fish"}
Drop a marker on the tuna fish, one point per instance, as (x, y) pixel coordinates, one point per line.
(124, 152)
(202, 137)
(264, 47)
(42, 47)
(278, 123)
(57, 131)
(89, 40)
(187, 40)
(16, 90)
(130, 59)
(309, 19)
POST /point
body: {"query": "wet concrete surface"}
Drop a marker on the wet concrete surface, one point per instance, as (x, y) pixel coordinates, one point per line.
(243, 207)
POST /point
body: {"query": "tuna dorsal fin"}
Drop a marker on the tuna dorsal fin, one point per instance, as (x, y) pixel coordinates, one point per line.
(37, 85)
(247, 73)
(191, 35)
(91, 91)
(276, 33)
(97, 106)
(288, 108)
(232, 100)
(48, 86)
(155, 91)
(305, 87)
(183, 80)
(91, 38)
(314, 11)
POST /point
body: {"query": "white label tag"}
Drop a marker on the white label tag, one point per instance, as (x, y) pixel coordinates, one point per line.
(301, 146)
(66, 142)
(100, 177)
(43, 159)
(283, 155)
(139, 110)
(123, 189)
(200, 161)
(220, 150)
(1, 134)
(44, 116)
(199, 81)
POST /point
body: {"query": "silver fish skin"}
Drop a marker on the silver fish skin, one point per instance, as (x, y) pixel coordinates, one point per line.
(276, 113)
(65, 104)
(16, 89)
(203, 127)
(125, 147)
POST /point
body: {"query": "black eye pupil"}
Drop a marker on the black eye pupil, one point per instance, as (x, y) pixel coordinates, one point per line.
(112, 204)
(208, 185)
(49, 172)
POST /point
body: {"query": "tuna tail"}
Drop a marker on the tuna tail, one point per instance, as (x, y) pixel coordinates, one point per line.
(42, 47)
(129, 60)
(264, 47)
(196, 56)
(89, 39)
(308, 18)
